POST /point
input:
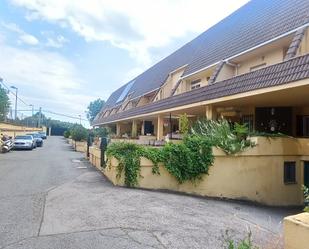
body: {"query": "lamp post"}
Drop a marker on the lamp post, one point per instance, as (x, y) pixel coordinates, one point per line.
(16, 92)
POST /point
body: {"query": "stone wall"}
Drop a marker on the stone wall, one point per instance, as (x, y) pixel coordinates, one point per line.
(13, 130)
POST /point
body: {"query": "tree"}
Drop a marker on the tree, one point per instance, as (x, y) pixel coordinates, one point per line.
(34, 120)
(94, 108)
(79, 133)
(4, 103)
(184, 124)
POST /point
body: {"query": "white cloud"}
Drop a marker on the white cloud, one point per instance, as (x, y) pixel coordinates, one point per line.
(137, 25)
(53, 40)
(23, 36)
(29, 39)
(56, 42)
(44, 79)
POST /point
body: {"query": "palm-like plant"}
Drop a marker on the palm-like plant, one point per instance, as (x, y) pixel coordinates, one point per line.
(221, 134)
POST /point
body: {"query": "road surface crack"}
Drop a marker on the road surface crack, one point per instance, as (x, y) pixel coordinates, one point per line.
(43, 213)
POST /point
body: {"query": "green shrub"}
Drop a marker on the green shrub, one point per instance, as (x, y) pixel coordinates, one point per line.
(188, 160)
(241, 131)
(66, 134)
(101, 132)
(220, 134)
(79, 133)
(184, 124)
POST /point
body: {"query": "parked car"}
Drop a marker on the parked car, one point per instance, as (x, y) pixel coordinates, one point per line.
(24, 142)
(37, 138)
(42, 134)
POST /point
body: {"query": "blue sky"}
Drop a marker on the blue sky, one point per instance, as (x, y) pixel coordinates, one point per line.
(62, 54)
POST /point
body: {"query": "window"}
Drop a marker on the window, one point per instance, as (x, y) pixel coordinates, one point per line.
(289, 172)
(125, 91)
(195, 84)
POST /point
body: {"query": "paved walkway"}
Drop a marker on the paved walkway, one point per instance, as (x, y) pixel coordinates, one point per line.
(48, 200)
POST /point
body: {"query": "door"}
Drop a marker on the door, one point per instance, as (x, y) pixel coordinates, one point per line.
(306, 174)
(302, 126)
(148, 127)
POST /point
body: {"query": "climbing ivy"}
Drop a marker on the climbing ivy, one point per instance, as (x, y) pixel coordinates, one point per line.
(188, 160)
(128, 156)
(185, 161)
(155, 156)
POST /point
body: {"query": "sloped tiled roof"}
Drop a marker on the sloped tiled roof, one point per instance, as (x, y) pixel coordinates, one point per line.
(253, 24)
(275, 75)
(256, 22)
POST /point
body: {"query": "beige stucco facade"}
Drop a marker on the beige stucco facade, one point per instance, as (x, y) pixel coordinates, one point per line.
(262, 60)
(296, 231)
(95, 157)
(80, 146)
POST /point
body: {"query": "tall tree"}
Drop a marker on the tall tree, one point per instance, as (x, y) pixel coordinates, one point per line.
(94, 108)
(4, 103)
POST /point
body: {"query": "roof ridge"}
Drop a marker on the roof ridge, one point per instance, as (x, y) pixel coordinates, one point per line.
(252, 24)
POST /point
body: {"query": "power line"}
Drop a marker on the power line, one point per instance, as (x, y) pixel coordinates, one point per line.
(55, 113)
(64, 115)
(46, 111)
(13, 93)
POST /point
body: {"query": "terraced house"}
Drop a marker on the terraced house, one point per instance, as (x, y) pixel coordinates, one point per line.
(252, 67)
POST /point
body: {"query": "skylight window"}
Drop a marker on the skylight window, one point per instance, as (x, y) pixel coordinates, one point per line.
(125, 91)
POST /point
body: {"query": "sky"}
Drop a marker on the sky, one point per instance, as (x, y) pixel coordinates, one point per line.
(62, 54)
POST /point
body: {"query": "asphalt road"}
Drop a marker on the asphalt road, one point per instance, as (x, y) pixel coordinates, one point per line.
(51, 198)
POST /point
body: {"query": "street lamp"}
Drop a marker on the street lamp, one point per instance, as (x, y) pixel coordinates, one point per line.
(16, 92)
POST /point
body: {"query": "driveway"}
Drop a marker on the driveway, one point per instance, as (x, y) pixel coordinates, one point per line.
(52, 198)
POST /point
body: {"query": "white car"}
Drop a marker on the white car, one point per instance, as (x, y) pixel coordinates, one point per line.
(24, 142)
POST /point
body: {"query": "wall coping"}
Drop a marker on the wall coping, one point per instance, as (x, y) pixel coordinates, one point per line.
(299, 219)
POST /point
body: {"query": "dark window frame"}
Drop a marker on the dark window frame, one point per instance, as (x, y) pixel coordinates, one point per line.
(196, 84)
(289, 172)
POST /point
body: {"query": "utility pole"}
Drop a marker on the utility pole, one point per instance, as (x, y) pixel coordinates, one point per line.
(40, 117)
(80, 119)
(16, 92)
